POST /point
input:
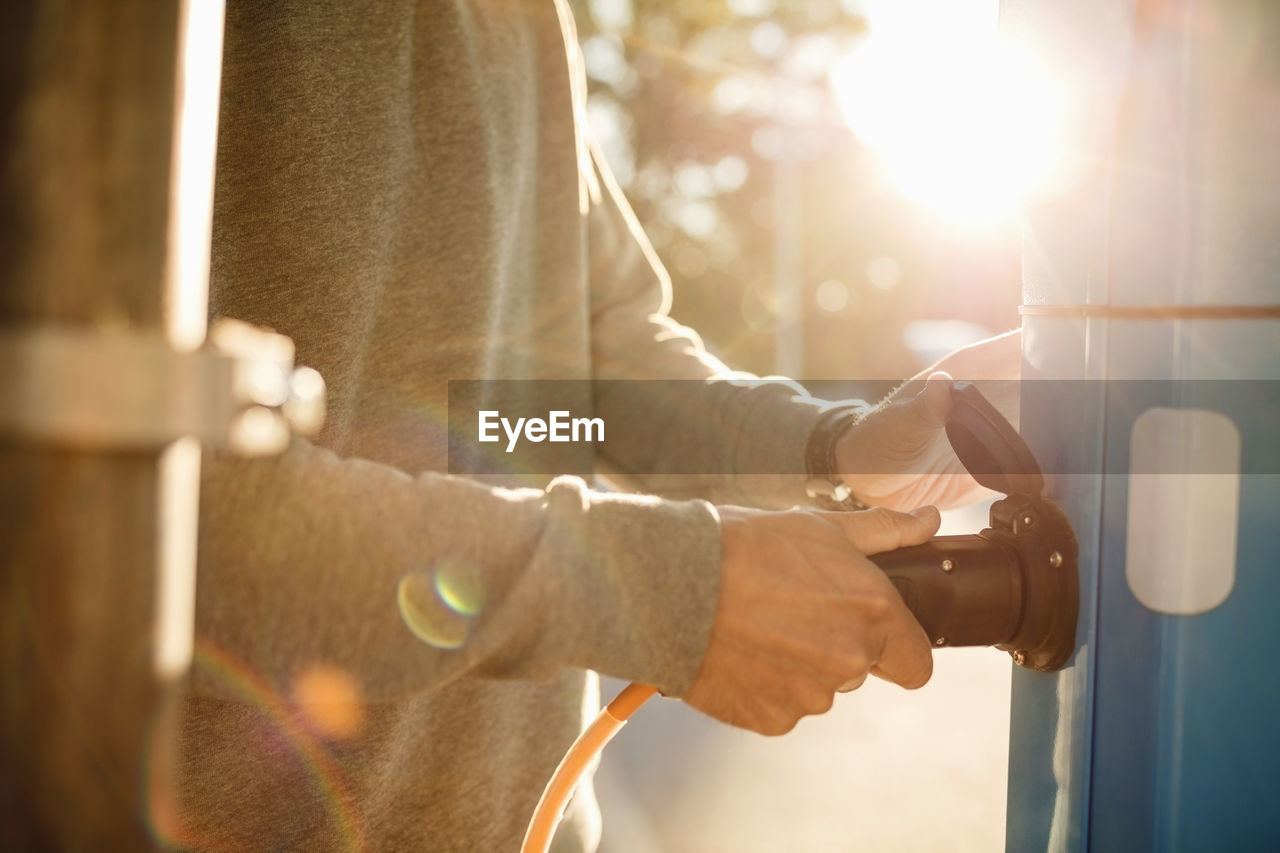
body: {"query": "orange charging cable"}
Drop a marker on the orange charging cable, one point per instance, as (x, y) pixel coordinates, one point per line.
(546, 817)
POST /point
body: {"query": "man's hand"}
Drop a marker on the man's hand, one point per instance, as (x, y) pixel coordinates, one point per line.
(803, 614)
(898, 456)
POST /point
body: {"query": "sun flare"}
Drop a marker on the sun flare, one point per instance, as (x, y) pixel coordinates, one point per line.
(963, 124)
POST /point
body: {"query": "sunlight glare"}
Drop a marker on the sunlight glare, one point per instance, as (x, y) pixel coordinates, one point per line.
(962, 124)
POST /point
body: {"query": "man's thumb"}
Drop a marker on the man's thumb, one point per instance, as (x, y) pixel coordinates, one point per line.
(874, 530)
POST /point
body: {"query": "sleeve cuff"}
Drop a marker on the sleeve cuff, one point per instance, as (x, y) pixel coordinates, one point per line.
(646, 587)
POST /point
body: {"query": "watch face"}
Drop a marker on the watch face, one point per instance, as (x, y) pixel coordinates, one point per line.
(988, 446)
(827, 491)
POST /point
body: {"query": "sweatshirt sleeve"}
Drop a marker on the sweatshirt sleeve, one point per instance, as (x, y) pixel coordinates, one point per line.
(408, 583)
(752, 432)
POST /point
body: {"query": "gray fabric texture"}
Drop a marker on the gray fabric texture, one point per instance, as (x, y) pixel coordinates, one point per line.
(406, 191)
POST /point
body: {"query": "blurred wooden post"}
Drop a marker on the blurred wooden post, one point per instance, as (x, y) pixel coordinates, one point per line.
(86, 128)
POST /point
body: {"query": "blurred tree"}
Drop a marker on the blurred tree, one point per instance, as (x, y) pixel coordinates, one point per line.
(717, 118)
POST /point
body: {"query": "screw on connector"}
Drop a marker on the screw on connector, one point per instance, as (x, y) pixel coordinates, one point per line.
(1020, 658)
(1028, 520)
(947, 565)
(1055, 560)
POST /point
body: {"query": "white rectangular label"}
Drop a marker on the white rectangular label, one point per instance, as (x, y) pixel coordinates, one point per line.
(1181, 548)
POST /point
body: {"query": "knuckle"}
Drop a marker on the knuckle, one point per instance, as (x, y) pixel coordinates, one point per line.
(888, 526)
(917, 670)
(851, 669)
(834, 664)
(880, 607)
(879, 518)
(854, 660)
(817, 699)
(853, 683)
(855, 673)
(778, 725)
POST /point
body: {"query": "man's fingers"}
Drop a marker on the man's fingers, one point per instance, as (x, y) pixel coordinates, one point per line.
(803, 614)
(900, 431)
(907, 654)
(875, 530)
(936, 398)
(907, 660)
(852, 684)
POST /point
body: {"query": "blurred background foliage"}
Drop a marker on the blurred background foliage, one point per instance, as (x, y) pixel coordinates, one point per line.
(789, 248)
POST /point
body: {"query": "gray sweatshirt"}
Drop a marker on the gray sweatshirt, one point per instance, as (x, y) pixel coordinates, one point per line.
(390, 657)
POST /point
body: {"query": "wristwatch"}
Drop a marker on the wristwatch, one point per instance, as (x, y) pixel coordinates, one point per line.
(824, 486)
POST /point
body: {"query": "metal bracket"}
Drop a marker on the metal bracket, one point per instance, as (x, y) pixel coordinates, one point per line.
(128, 390)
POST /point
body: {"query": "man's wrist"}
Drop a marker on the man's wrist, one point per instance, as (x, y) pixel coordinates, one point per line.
(824, 486)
